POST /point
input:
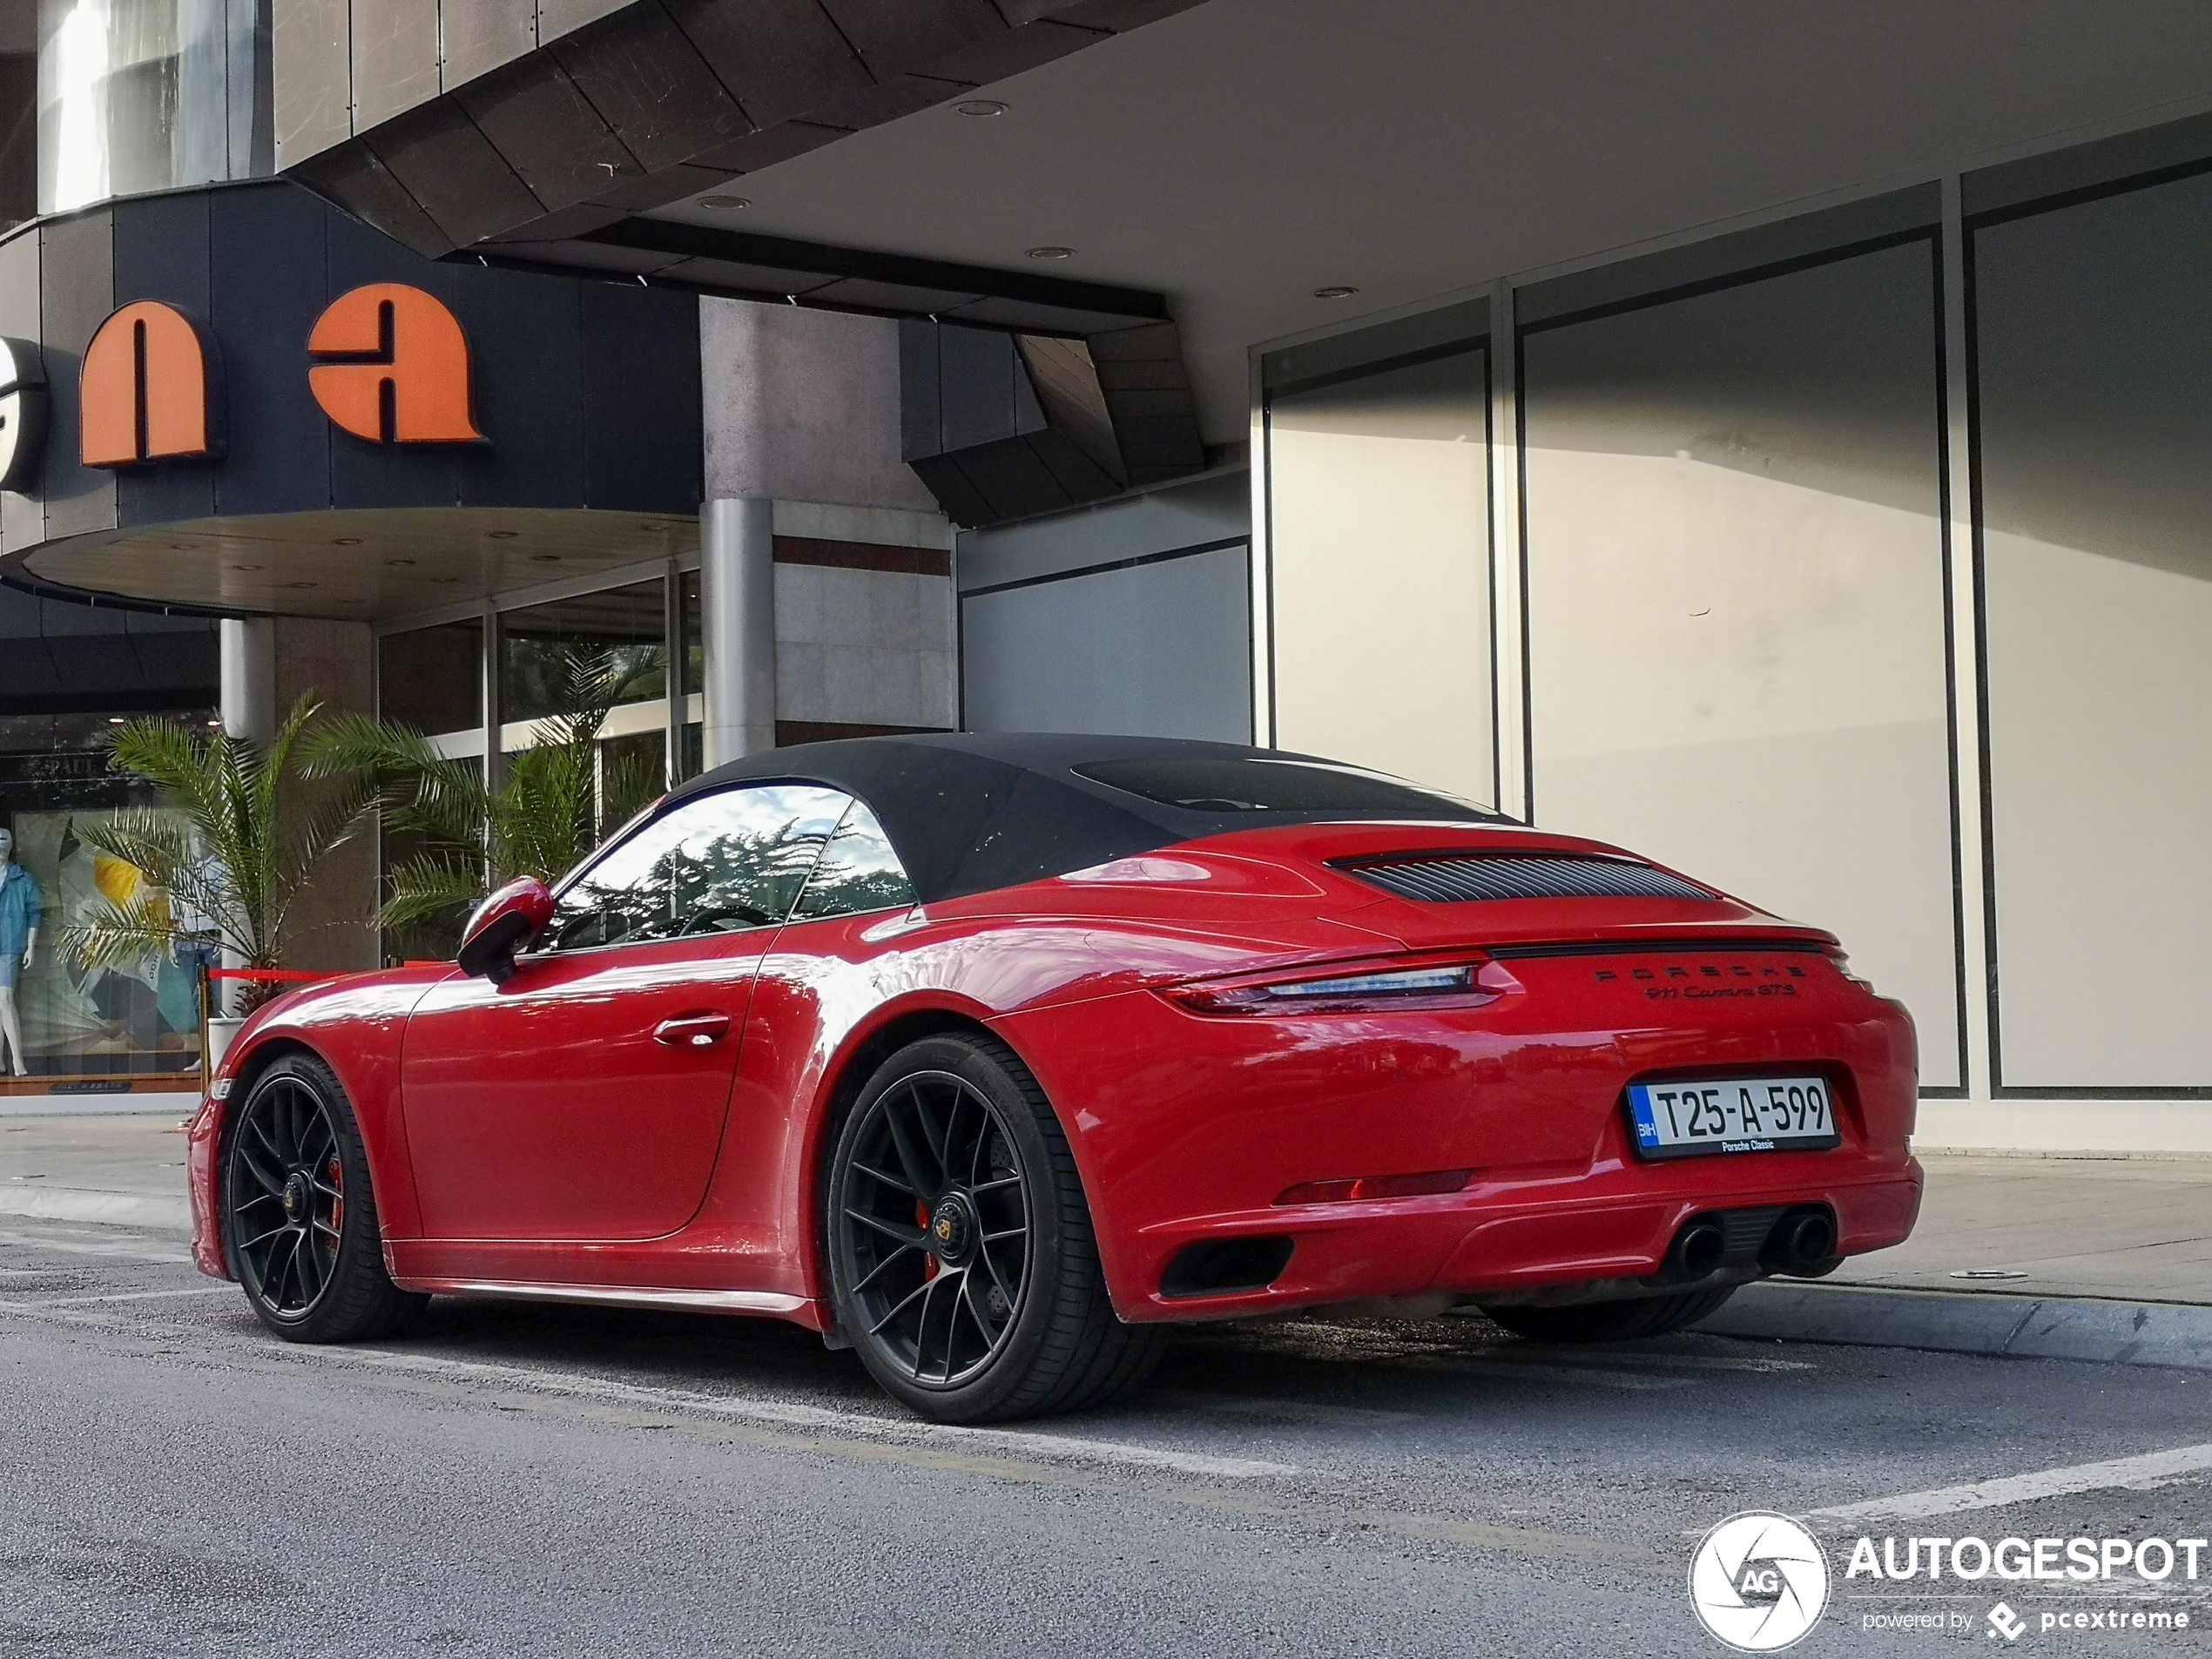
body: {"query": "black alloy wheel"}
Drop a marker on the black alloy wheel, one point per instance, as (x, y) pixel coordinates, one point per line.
(288, 1198)
(298, 1216)
(960, 1247)
(936, 1227)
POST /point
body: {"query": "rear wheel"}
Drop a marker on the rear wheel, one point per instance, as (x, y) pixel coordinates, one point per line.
(299, 1217)
(962, 1254)
(1642, 1316)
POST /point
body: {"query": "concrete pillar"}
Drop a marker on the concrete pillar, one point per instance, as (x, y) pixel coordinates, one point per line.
(737, 627)
(249, 679)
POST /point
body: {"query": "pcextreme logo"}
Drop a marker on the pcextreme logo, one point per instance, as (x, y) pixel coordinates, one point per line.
(389, 364)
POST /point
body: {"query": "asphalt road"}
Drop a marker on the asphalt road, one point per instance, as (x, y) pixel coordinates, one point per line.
(526, 1480)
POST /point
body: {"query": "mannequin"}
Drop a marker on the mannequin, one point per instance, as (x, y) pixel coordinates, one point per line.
(23, 907)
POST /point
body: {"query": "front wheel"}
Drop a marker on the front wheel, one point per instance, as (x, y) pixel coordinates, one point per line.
(1642, 1316)
(962, 1254)
(299, 1217)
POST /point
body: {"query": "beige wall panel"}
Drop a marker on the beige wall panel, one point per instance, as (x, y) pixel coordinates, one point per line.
(481, 35)
(312, 73)
(803, 406)
(1381, 578)
(395, 57)
(1745, 678)
(557, 17)
(2102, 677)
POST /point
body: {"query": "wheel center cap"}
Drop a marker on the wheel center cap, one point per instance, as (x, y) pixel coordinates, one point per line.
(295, 1196)
(952, 1228)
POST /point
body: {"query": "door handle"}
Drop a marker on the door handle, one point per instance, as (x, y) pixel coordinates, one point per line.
(692, 1031)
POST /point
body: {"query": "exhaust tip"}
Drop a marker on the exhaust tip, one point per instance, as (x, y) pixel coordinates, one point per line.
(1803, 1241)
(1699, 1250)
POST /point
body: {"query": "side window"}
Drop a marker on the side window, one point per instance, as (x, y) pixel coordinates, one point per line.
(857, 872)
(724, 862)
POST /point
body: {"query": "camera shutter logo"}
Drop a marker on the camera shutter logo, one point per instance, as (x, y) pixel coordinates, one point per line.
(1758, 1581)
(392, 365)
(23, 413)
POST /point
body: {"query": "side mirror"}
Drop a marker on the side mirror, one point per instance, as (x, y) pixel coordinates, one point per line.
(502, 925)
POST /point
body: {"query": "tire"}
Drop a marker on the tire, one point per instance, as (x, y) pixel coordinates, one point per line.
(306, 1249)
(1642, 1316)
(962, 1260)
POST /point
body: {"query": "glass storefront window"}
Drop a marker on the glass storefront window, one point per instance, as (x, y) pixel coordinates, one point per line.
(432, 678)
(136, 1019)
(538, 647)
(140, 95)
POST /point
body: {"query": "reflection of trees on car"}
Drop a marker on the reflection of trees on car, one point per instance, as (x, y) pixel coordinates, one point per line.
(739, 859)
(742, 878)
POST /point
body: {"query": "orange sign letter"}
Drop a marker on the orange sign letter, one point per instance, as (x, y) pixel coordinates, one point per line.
(145, 389)
(393, 366)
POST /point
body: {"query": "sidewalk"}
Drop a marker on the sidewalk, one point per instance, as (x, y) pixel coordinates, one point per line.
(2107, 1259)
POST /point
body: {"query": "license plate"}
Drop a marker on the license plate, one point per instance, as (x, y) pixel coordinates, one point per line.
(1695, 1116)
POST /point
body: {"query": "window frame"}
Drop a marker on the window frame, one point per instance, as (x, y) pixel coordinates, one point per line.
(544, 951)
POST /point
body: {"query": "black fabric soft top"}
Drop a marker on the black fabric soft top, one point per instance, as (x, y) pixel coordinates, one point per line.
(967, 812)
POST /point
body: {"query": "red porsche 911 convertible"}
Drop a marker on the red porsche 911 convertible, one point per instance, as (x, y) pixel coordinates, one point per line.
(993, 1057)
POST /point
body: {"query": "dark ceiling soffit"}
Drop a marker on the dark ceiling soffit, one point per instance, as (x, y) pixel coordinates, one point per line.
(968, 283)
(664, 98)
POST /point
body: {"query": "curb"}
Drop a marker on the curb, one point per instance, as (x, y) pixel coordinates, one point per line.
(108, 1209)
(169, 1105)
(2012, 1327)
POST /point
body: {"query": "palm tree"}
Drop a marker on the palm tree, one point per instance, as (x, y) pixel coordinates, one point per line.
(560, 798)
(223, 851)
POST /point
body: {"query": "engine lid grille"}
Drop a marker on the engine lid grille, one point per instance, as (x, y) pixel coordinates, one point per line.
(1465, 878)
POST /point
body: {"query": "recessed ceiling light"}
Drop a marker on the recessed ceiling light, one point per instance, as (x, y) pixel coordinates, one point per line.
(347, 541)
(980, 107)
(1334, 293)
(245, 567)
(545, 558)
(1052, 254)
(652, 527)
(443, 581)
(724, 204)
(401, 565)
(303, 585)
(180, 547)
(502, 535)
(115, 720)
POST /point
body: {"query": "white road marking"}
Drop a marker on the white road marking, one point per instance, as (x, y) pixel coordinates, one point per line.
(2138, 1474)
(120, 1250)
(791, 1413)
(123, 1296)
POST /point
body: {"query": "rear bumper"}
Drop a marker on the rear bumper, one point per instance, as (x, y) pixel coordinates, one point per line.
(1189, 1129)
(1505, 1239)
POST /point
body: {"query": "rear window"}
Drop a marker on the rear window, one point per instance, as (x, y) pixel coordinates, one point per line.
(1207, 785)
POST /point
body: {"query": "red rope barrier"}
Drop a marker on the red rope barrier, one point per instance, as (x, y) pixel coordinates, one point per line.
(268, 975)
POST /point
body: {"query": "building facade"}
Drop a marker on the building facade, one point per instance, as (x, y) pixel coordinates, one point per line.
(1766, 440)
